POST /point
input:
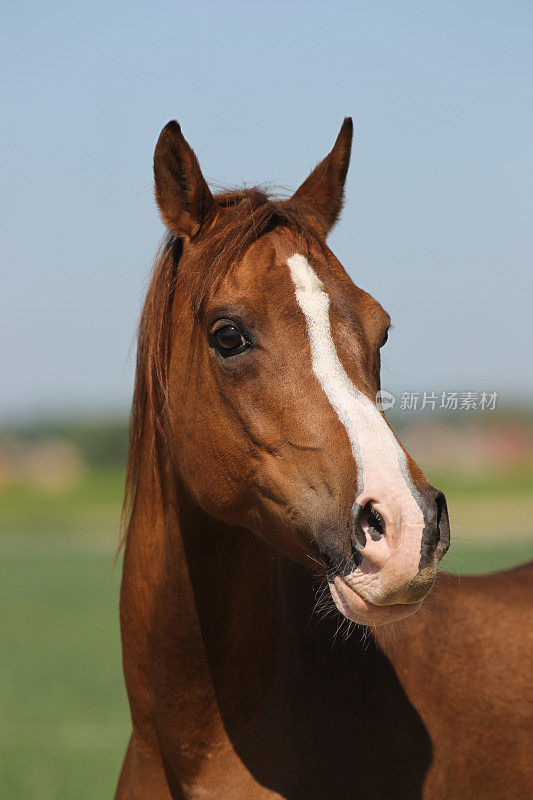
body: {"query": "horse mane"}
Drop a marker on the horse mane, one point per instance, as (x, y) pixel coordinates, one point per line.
(243, 217)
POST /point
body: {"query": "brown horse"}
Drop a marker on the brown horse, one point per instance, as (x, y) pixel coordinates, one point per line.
(261, 467)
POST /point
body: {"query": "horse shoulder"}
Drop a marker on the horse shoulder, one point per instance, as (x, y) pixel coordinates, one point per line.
(464, 661)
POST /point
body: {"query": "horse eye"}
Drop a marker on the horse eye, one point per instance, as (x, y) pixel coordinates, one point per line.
(384, 340)
(229, 337)
(230, 340)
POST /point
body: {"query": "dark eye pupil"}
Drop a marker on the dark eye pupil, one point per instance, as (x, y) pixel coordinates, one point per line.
(229, 337)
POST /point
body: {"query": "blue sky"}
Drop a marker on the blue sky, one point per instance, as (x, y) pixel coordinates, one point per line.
(437, 223)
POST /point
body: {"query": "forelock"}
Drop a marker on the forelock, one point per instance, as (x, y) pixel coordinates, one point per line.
(242, 218)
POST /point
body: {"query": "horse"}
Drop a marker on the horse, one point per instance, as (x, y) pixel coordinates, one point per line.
(268, 503)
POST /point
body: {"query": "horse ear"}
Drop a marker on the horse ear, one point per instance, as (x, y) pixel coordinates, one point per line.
(322, 193)
(181, 192)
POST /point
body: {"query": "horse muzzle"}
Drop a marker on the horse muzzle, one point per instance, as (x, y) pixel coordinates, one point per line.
(394, 553)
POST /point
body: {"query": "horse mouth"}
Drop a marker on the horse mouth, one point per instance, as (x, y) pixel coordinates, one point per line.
(360, 610)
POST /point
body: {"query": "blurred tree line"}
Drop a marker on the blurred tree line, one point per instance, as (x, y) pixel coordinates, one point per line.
(100, 442)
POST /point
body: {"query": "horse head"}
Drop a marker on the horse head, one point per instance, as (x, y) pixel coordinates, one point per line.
(268, 383)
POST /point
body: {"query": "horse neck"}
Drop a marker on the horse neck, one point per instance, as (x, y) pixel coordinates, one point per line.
(239, 587)
(222, 603)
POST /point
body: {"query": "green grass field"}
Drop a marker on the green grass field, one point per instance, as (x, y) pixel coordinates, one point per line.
(64, 721)
(64, 718)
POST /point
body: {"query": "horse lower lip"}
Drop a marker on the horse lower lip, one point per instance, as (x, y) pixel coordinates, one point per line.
(357, 594)
(357, 608)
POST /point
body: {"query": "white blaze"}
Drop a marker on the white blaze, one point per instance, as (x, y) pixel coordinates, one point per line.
(381, 464)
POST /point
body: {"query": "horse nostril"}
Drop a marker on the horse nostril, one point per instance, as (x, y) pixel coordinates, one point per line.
(372, 522)
(366, 521)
